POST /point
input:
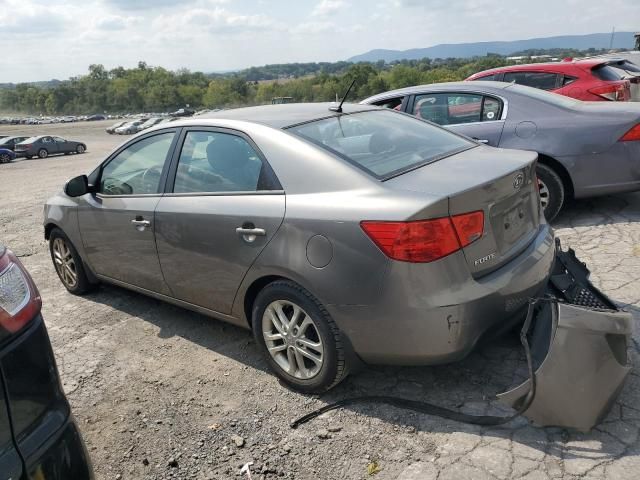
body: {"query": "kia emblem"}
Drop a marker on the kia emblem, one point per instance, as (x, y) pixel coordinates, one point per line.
(518, 181)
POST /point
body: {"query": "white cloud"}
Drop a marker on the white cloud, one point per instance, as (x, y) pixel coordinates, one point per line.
(327, 7)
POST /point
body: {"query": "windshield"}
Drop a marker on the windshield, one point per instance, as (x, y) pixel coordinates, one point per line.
(383, 143)
(548, 97)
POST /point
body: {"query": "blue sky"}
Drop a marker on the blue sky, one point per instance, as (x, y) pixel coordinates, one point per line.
(44, 39)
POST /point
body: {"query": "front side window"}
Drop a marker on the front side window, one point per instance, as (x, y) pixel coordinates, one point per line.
(59, 140)
(381, 142)
(456, 108)
(137, 169)
(392, 103)
(488, 78)
(540, 80)
(212, 162)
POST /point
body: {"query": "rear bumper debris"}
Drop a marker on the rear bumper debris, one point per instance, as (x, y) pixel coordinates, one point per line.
(579, 340)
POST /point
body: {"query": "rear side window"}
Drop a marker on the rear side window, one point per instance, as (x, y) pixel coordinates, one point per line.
(568, 80)
(606, 73)
(456, 108)
(541, 80)
(382, 143)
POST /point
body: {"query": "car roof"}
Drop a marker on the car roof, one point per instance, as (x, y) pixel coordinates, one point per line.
(474, 86)
(587, 63)
(284, 115)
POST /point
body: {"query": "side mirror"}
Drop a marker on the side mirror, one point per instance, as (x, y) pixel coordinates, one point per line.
(77, 186)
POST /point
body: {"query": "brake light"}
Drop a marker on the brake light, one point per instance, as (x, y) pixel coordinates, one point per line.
(20, 300)
(616, 92)
(631, 135)
(425, 241)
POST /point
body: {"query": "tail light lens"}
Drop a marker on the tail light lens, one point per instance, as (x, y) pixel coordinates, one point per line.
(425, 241)
(616, 92)
(631, 135)
(19, 298)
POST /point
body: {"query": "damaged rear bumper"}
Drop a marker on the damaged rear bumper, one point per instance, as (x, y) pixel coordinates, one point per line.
(579, 340)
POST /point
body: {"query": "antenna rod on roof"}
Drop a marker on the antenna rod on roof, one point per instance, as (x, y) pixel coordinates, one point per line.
(339, 107)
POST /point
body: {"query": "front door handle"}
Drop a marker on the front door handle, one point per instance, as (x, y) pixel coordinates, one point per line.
(481, 140)
(140, 223)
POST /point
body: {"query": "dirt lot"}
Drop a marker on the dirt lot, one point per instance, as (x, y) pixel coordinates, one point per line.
(160, 392)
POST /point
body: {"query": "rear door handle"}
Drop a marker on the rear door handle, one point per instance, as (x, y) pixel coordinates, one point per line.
(260, 232)
(141, 223)
(481, 140)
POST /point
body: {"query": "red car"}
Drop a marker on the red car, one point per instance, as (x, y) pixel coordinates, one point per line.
(589, 80)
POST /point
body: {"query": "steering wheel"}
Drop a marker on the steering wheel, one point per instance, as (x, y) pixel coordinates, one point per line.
(150, 179)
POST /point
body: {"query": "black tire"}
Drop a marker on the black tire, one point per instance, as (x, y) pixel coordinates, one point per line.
(5, 158)
(552, 191)
(82, 284)
(334, 367)
(80, 148)
(43, 153)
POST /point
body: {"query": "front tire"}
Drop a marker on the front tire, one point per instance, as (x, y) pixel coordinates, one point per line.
(5, 158)
(552, 191)
(299, 339)
(43, 153)
(80, 149)
(68, 264)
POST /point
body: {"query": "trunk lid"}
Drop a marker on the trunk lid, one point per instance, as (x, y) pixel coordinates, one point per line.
(501, 184)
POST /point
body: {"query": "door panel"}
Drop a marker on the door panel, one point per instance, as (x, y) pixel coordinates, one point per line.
(117, 223)
(118, 248)
(203, 258)
(488, 133)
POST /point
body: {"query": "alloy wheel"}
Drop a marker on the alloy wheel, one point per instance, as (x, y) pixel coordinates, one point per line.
(544, 193)
(80, 149)
(64, 263)
(292, 339)
(5, 158)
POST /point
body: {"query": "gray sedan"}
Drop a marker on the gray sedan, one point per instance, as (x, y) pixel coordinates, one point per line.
(331, 234)
(585, 148)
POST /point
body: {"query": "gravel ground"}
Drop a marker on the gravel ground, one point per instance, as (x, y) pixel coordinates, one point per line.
(160, 392)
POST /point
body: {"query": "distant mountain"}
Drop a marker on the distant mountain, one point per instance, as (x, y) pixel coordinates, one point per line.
(465, 50)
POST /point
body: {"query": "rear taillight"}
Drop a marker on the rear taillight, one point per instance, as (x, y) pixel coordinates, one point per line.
(616, 92)
(19, 298)
(424, 241)
(631, 135)
(23, 147)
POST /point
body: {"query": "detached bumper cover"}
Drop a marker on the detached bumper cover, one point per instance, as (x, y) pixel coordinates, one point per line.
(579, 343)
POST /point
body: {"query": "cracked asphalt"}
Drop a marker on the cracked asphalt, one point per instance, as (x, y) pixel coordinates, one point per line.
(160, 392)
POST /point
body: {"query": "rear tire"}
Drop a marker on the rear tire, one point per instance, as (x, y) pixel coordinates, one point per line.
(43, 153)
(309, 353)
(5, 158)
(552, 191)
(68, 264)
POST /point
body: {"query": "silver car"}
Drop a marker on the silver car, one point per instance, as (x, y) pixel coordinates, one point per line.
(585, 148)
(333, 235)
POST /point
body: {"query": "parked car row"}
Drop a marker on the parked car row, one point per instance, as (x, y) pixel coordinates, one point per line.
(37, 146)
(135, 126)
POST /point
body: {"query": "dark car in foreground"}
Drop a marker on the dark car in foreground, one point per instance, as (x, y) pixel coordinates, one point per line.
(45, 145)
(39, 438)
(401, 242)
(6, 155)
(585, 148)
(594, 79)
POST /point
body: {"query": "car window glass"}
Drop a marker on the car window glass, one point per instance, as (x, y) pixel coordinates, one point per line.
(213, 162)
(541, 80)
(46, 140)
(491, 109)
(59, 140)
(448, 108)
(606, 73)
(488, 78)
(567, 80)
(138, 168)
(392, 103)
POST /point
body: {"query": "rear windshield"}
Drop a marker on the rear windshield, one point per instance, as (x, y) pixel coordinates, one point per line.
(606, 73)
(382, 142)
(31, 140)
